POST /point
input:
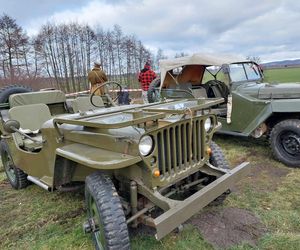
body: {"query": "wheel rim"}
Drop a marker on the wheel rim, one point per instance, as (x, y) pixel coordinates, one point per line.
(290, 143)
(96, 224)
(9, 167)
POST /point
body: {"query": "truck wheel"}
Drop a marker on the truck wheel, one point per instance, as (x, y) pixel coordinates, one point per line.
(285, 142)
(218, 159)
(16, 177)
(106, 217)
(12, 89)
(153, 93)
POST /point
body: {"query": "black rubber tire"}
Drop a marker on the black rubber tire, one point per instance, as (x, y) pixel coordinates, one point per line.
(221, 86)
(101, 189)
(152, 97)
(5, 92)
(217, 157)
(20, 178)
(287, 129)
(218, 160)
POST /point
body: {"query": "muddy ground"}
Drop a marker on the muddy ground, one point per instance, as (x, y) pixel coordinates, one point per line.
(225, 227)
(229, 226)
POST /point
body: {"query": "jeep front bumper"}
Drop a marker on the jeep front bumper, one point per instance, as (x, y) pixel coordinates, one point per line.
(180, 211)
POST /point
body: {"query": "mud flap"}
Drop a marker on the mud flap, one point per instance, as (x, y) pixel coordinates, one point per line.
(184, 210)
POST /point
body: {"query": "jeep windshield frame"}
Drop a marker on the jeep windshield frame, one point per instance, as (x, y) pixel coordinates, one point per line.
(244, 72)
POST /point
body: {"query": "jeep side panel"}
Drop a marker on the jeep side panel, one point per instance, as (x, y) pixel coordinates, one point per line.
(247, 114)
(285, 105)
(39, 164)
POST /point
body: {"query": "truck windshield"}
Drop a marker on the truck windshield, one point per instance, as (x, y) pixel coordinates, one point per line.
(244, 72)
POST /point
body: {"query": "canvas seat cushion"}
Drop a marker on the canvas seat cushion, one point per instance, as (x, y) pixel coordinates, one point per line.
(31, 117)
(46, 97)
(83, 104)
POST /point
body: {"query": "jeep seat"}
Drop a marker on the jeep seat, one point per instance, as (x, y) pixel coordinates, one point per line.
(55, 99)
(83, 104)
(31, 118)
(199, 92)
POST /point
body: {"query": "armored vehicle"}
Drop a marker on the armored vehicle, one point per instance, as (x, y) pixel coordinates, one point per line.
(251, 106)
(154, 164)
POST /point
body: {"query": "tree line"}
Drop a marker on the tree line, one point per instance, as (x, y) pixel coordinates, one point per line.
(60, 55)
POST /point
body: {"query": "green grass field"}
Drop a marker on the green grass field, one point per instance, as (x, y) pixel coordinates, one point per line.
(34, 219)
(282, 75)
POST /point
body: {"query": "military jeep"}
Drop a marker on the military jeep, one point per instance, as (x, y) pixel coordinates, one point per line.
(152, 164)
(251, 107)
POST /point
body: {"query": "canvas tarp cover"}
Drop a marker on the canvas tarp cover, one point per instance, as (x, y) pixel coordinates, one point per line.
(195, 59)
(47, 97)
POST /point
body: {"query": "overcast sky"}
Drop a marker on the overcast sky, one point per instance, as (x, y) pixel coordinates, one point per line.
(266, 28)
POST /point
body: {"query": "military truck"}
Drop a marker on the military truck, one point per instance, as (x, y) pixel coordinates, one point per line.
(251, 106)
(153, 164)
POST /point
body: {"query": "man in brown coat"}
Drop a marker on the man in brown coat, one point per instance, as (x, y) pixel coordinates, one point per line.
(96, 77)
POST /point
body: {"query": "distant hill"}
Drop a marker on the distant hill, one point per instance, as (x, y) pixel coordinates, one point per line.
(280, 64)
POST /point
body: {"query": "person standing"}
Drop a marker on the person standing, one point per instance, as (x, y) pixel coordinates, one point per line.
(146, 76)
(96, 77)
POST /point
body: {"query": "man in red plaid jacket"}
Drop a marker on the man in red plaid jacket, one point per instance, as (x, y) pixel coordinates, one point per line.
(146, 76)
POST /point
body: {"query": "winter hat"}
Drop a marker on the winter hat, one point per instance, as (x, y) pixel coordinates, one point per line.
(147, 65)
(97, 64)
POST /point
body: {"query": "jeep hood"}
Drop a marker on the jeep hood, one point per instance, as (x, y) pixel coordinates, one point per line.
(279, 91)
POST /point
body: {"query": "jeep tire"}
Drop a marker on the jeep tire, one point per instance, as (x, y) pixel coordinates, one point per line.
(217, 157)
(285, 142)
(152, 93)
(218, 160)
(105, 214)
(5, 92)
(16, 177)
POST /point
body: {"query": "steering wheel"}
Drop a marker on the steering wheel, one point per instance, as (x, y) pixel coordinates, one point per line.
(105, 84)
(188, 92)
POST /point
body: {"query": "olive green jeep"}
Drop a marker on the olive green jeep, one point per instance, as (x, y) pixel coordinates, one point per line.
(251, 106)
(153, 164)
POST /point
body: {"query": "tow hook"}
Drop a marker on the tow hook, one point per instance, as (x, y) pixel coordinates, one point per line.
(90, 226)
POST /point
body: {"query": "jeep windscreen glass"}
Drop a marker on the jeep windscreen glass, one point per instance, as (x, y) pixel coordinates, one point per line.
(210, 73)
(252, 71)
(237, 73)
(175, 73)
(214, 72)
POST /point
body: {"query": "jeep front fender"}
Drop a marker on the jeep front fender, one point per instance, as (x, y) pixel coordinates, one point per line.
(96, 158)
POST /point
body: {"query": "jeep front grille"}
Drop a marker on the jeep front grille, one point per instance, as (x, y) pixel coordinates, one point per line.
(180, 146)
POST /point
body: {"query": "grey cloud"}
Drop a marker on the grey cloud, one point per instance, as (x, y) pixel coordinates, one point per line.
(264, 28)
(24, 11)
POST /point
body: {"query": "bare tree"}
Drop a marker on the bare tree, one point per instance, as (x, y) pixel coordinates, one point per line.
(62, 54)
(254, 59)
(159, 56)
(13, 42)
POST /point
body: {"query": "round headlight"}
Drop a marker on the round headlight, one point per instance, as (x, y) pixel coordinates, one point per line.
(207, 124)
(145, 145)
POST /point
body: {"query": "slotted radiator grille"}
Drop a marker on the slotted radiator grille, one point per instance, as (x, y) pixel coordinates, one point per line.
(180, 146)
